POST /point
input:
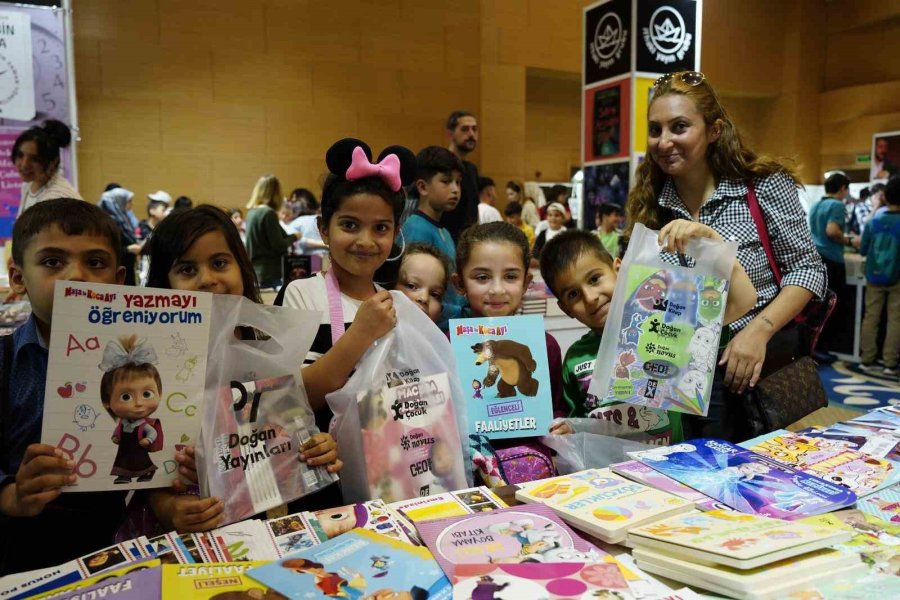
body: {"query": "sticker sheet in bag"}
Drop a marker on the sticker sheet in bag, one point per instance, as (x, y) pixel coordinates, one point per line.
(661, 339)
(124, 381)
(257, 415)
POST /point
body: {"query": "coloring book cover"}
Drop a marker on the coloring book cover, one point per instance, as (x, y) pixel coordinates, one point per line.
(877, 542)
(519, 534)
(638, 471)
(410, 439)
(884, 504)
(862, 438)
(745, 481)
(735, 539)
(602, 503)
(541, 581)
(138, 584)
(450, 504)
(292, 533)
(372, 515)
(213, 581)
(503, 362)
(666, 344)
(832, 461)
(125, 381)
(359, 564)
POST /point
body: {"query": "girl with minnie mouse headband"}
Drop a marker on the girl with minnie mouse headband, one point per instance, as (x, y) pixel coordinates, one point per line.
(362, 204)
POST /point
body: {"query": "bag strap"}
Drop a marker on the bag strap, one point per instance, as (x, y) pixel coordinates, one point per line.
(335, 309)
(763, 231)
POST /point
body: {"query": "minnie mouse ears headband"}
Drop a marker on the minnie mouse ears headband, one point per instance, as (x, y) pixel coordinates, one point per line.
(351, 159)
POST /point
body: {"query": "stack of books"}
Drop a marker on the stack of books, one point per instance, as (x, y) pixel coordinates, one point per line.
(601, 503)
(742, 556)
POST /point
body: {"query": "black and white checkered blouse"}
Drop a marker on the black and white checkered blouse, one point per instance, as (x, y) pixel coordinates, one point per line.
(728, 213)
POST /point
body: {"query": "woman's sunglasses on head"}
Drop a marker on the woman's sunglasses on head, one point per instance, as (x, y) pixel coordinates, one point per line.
(691, 78)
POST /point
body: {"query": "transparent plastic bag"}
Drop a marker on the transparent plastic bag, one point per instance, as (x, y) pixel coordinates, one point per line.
(587, 448)
(661, 337)
(256, 415)
(398, 419)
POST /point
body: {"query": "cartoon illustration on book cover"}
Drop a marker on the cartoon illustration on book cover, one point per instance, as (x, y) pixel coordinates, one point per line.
(745, 481)
(505, 358)
(130, 392)
(666, 351)
(119, 403)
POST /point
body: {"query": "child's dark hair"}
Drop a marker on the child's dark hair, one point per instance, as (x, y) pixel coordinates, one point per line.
(337, 187)
(514, 186)
(484, 183)
(836, 181)
(513, 208)
(435, 160)
(565, 249)
(48, 138)
(498, 231)
(610, 208)
(892, 191)
(72, 217)
(430, 250)
(175, 235)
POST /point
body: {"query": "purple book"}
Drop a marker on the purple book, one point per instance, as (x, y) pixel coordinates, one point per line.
(746, 481)
(135, 585)
(509, 535)
(638, 471)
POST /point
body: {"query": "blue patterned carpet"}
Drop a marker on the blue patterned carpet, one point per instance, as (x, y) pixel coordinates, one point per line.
(848, 386)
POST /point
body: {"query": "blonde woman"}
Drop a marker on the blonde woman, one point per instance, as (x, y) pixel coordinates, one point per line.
(266, 241)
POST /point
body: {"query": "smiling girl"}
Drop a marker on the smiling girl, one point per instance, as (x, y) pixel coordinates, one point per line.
(698, 182)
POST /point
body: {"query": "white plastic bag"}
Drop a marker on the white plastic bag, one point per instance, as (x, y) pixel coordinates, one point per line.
(256, 414)
(661, 337)
(398, 419)
(588, 448)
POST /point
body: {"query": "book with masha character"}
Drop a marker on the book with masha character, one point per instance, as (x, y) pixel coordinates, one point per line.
(125, 381)
(502, 361)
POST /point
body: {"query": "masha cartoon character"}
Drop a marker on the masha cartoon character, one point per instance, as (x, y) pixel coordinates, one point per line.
(130, 392)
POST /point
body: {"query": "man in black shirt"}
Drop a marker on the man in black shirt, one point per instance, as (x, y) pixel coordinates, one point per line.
(463, 130)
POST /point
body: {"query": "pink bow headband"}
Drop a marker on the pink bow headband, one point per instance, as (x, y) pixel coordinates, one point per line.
(388, 170)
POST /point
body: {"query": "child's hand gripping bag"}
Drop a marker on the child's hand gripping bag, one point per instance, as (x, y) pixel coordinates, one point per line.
(661, 339)
(397, 419)
(256, 415)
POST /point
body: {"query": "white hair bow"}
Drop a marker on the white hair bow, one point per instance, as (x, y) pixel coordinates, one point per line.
(115, 356)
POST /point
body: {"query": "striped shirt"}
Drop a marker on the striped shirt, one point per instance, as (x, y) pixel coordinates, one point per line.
(728, 213)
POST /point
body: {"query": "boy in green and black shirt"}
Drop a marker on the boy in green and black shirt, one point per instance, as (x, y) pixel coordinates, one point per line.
(582, 275)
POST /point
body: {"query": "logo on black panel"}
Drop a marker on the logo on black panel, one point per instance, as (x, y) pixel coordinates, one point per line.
(666, 36)
(610, 38)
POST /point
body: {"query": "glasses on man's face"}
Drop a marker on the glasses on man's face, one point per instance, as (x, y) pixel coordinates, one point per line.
(691, 78)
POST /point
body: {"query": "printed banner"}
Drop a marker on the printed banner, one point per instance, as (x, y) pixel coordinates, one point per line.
(607, 116)
(667, 30)
(607, 41)
(16, 75)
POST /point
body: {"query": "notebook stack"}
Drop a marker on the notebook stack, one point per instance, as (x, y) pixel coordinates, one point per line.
(742, 556)
(601, 503)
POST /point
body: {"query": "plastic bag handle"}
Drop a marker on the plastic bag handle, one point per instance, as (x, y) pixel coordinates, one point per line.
(335, 309)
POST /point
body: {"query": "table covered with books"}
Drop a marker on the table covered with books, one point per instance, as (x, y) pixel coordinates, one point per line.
(814, 514)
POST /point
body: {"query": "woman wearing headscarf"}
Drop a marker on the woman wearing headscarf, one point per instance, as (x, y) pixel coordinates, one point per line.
(116, 203)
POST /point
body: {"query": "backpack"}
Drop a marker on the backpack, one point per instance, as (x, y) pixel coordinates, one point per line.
(524, 462)
(883, 257)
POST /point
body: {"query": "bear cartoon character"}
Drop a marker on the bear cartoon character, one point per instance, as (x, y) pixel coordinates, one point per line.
(509, 362)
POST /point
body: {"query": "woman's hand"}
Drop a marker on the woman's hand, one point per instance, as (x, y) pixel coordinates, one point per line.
(744, 356)
(675, 235)
(321, 449)
(192, 514)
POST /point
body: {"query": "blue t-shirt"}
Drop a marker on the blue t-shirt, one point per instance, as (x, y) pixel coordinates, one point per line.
(826, 211)
(880, 245)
